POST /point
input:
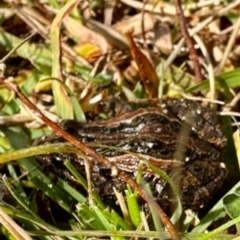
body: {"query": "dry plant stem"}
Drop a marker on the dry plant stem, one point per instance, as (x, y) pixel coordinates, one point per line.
(234, 101)
(167, 8)
(91, 153)
(12, 227)
(122, 205)
(31, 21)
(30, 17)
(209, 67)
(143, 25)
(230, 113)
(89, 184)
(204, 100)
(198, 28)
(237, 238)
(189, 41)
(162, 7)
(108, 12)
(229, 46)
(15, 48)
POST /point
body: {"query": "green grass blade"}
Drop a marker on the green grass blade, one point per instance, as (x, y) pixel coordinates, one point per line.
(62, 101)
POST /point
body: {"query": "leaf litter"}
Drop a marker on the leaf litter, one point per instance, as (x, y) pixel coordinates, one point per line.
(94, 60)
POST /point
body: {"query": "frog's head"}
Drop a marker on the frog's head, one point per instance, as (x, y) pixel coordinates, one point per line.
(201, 182)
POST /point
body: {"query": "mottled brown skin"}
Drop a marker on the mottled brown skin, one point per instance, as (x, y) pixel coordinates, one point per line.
(181, 137)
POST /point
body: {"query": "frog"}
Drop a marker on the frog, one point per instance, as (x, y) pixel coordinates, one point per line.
(181, 137)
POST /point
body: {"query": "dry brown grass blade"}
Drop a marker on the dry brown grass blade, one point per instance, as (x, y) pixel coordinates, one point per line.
(100, 159)
(146, 70)
(12, 227)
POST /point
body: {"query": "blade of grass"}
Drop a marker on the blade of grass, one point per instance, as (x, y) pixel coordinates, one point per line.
(229, 79)
(179, 210)
(15, 48)
(38, 56)
(62, 102)
(214, 214)
(133, 207)
(17, 183)
(71, 191)
(74, 101)
(32, 219)
(18, 139)
(157, 223)
(82, 181)
(220, 229)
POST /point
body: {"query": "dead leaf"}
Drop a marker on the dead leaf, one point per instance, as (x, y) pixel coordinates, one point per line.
(162, 37)
(85, 34)
(135, 23)
(88, 51)
(146, 70)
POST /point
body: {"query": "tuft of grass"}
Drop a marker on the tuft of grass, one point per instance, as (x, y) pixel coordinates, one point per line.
(63, 84)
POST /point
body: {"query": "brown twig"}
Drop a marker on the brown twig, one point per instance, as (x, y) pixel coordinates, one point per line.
(143, 24)
(91, 153)
(189, 41)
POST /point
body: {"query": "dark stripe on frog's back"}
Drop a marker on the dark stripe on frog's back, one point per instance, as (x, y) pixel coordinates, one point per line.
(205, 121)
(145, 127)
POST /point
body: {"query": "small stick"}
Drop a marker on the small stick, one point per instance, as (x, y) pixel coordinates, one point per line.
(189, 41)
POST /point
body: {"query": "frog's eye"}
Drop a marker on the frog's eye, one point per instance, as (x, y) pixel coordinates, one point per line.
(196, 170)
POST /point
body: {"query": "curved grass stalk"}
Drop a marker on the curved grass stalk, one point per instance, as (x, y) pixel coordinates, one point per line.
(38, 150)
